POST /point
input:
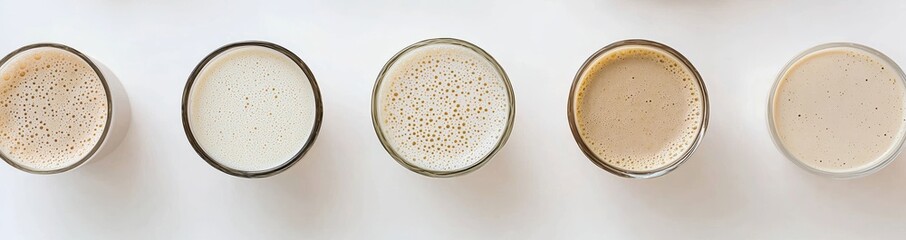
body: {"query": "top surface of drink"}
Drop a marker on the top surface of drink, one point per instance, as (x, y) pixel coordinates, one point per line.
(638, 108)
(251, 108)
(443, 107)
(839, 109)
(53, 109)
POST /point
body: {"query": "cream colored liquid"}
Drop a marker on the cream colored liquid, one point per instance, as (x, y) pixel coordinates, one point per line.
(638, 108)
(443, 107)
(53, 109)
(839, 109)
(252, 108)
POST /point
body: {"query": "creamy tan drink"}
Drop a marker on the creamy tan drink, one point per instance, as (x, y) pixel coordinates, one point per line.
(838, 109)
(53, 109)
(637, 108)
(442, 107)
(252, 109)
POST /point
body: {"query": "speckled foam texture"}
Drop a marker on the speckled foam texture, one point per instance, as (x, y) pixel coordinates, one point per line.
(839, 109)
(252, 108)
(53, 109)
(443, 107)
(638, 108)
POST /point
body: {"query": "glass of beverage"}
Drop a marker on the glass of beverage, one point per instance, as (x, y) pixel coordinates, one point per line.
(251, 109)
(837, 110)
(59, 109)
(442, 107)
(638, 108)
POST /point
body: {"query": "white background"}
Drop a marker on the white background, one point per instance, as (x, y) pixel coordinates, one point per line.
(539, 186)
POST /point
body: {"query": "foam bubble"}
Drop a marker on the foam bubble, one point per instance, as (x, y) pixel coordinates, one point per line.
(839, 109)
(638, 108)
(53, 109)
(251, 108)
(443, 107)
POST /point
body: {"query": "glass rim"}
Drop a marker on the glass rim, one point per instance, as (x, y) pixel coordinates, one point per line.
(880, 162)
(435, 173)
(107, 124)
(259, 173)
(703, 126)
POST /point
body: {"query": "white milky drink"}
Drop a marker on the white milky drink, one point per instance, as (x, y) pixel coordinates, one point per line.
(58, 109)
(837, 109)
(252, 109)
(442, 107)
(638, 108)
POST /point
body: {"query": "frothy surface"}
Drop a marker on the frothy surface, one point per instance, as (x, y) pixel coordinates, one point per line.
(443, 107)
(638, 108)
(251, 108)
(53, 109)
(839, 109)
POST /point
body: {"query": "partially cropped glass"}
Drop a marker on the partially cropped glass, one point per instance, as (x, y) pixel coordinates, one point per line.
(442, 107)
(837, 110)
(251, 109)
(638, 108)
(59, 109)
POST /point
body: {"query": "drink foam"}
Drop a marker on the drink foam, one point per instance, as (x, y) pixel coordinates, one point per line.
(251, 108)
(443, 107)
(839, 109)
(638, 108)
(53, 109)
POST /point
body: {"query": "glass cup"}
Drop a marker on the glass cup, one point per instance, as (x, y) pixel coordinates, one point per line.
(186, 103)
(118, 110)
(877, 165)
(375, 114)
(584, 146)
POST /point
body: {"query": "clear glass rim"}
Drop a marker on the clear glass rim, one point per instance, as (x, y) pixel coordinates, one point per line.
(107, 125)
(623, 172)
(261, 173)
(775, 138)
(434, 173)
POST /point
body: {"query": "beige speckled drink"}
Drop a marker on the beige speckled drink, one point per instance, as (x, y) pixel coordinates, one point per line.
(837, 109)
(638, 108)
(58, 109)
(442, 107)
(252, 109)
